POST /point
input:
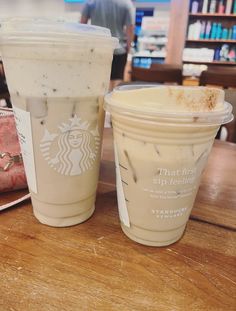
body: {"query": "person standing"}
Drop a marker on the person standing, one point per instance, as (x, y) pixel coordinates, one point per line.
(118, 16)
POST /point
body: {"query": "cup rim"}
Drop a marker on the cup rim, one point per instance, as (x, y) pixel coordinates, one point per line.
(193, 118)
(20, 30)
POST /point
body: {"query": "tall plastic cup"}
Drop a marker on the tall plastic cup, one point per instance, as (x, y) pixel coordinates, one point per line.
(162, 138)
(57, 74)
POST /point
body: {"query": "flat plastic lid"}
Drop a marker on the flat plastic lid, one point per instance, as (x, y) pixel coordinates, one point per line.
(18, 30)
(128, 101)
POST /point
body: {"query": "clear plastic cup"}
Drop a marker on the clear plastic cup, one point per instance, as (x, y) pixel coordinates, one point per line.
(162, 138)
(57, 73)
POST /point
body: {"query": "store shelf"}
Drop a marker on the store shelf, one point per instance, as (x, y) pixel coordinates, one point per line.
(211, 41)
(152, 41)
(206, 47)
(212, 15)
(211, 63)
(151, 55)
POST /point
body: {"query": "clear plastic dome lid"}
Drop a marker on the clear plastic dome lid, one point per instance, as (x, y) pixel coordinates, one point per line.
(178, 105)
(56, 30)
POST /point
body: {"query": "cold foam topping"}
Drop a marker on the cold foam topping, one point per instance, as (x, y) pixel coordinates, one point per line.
(171, 99)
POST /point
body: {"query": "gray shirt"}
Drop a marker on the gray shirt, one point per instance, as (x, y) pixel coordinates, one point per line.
(112, 14)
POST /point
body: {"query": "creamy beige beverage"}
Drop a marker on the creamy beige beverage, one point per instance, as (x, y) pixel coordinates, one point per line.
(162, 137)
(57, 74)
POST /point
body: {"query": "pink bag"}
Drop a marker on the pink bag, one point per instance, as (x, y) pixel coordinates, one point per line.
(12, 173)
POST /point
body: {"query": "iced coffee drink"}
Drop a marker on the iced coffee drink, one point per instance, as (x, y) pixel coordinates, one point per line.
(162, 138)
(57, 74)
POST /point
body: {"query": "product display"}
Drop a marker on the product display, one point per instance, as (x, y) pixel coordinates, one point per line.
(198, 55)
(213, 6)
(208, 30)
(211, 32)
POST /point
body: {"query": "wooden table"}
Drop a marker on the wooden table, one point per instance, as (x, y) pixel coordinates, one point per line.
(94, 266)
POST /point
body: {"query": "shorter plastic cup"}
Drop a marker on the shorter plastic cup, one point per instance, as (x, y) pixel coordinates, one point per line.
(162, 138)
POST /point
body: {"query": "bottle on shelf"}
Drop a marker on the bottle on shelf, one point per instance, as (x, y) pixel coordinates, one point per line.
(208, 30)
(213, 31)
(213, 6)
(232, 55)
(194, 8)
(219, 32)
(205, 6)
(224, 53)
(217, 54)
(234, 32)
(224, 34)
(230, 32)
(190, 31)
(197, 30)
(228, 8)
(221, 7)
(234, 9)
(203, 29)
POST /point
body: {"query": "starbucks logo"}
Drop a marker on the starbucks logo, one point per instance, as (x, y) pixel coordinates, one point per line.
(72, 151)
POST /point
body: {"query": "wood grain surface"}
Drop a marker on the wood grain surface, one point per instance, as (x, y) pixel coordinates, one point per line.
(94, 266)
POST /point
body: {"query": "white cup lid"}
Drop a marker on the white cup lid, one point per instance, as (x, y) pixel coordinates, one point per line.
(18, 30)
(128, 101)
